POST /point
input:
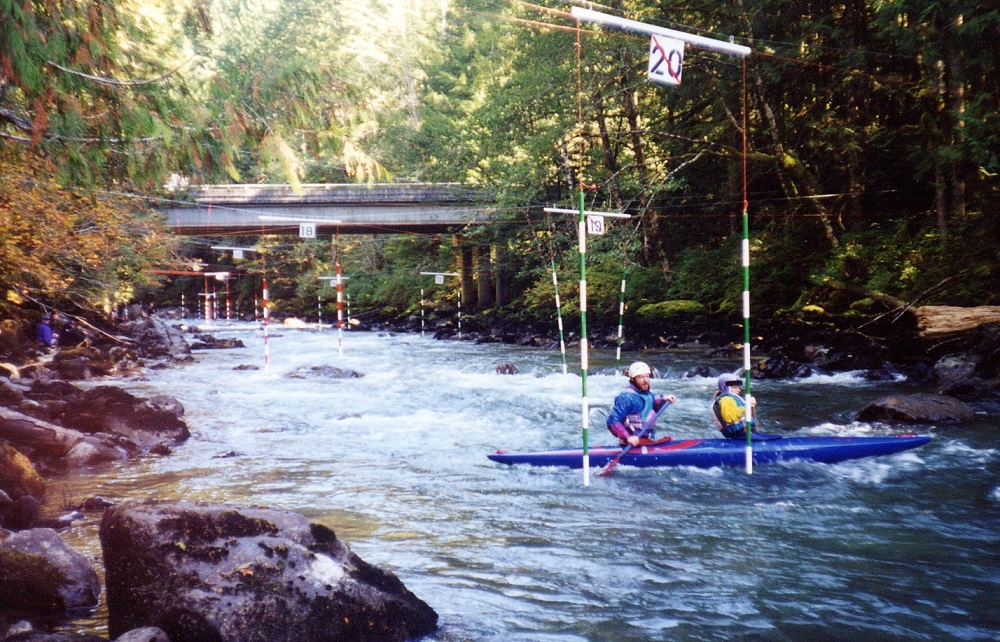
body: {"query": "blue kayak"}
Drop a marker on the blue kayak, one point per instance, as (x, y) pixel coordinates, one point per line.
(711, 453)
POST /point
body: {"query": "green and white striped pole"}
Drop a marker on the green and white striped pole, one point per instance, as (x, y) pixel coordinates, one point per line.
(621, 322)
(746, 336)
(581, 231)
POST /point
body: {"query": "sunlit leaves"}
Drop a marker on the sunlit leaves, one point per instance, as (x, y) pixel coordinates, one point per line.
(60, 244)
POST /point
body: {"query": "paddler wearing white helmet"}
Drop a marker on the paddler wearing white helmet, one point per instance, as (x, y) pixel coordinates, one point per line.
(635, 404)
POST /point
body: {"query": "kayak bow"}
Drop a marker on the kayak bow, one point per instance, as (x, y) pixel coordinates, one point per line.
(711, 453)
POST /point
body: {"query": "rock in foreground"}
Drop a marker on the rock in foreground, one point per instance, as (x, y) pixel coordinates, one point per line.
(218, 573)
(42, 574)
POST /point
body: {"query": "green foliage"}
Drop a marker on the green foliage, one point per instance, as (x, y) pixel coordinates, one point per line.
(871, 169)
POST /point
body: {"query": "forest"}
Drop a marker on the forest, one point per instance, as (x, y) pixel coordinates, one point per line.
(861, 137)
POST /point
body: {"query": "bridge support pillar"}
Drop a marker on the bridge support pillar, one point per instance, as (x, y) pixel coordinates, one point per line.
(502, 289)
(468, 272)
(484, 274)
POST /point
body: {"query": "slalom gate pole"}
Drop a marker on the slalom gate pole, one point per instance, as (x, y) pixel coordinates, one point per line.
(746, 283)
(621, 320)
(421, 312)
(559, 321)
(348, 326)
(746, 335)
(319, 311)
(340, 310)
(584, 357)
(267, 355)
(208, 303)
(256, 308)
(460, 311)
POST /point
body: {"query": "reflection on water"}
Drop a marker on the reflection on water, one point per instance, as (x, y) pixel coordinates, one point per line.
(902, 547)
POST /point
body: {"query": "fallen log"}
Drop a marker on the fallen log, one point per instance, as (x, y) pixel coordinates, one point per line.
(939, 321)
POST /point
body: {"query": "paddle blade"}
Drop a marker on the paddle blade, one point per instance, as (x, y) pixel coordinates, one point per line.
(611, 464)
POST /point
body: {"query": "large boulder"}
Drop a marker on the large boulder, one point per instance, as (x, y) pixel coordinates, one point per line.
(145, 422)
(42, 574)
(219, 573)
(159, 339)
(917, 409)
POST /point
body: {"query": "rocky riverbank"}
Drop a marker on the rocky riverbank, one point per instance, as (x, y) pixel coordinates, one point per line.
(174, 572)
(954, 350)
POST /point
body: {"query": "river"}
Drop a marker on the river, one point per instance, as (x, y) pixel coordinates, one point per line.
(903, 547)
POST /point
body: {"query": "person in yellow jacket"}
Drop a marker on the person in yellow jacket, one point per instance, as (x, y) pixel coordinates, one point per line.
(729, 408)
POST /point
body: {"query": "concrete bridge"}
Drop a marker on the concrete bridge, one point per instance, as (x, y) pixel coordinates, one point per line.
(381, 208)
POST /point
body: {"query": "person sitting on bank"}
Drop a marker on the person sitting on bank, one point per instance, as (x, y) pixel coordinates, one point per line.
(729, 408)
(43, 332)
(634, 404)
(71, 335)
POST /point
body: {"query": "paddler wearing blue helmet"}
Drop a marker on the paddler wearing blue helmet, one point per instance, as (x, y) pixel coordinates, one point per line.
(729, 408)
(634, 404)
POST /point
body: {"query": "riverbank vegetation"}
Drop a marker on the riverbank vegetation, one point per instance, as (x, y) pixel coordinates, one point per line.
(862, 135)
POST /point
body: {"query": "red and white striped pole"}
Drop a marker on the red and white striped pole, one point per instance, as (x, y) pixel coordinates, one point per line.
(208, 302)
(340, 311)
(267, 356)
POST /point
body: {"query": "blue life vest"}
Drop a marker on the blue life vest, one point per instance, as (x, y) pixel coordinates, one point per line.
(634, 421)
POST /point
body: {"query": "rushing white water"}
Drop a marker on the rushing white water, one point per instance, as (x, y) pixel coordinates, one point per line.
(901, 547)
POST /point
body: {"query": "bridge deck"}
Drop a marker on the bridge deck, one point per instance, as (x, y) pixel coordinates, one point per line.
(353, 208)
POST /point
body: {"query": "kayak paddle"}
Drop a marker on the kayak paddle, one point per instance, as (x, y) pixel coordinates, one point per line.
(647, 426)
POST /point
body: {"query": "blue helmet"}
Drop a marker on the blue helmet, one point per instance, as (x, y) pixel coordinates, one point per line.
(728, 379)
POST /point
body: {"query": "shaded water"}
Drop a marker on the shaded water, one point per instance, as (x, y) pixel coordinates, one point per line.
(895, 548)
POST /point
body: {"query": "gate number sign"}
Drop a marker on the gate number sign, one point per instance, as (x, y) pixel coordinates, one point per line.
(666, 57)
(595, 224)
(307, 230)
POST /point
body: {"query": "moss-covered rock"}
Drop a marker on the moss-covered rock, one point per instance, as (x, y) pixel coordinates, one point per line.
(40, 573)
(671, 311)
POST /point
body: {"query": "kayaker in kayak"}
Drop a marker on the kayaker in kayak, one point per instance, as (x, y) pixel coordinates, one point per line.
(634, 404)
(729, 408)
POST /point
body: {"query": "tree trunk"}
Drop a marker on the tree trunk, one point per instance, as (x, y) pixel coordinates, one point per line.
(956, 94)
(940, 198)
(610, 157)
(795, 179)
(653, 233)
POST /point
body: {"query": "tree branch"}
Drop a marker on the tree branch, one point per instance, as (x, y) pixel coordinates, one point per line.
(119, 83)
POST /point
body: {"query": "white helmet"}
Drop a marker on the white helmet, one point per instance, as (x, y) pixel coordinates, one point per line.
(638, 368)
